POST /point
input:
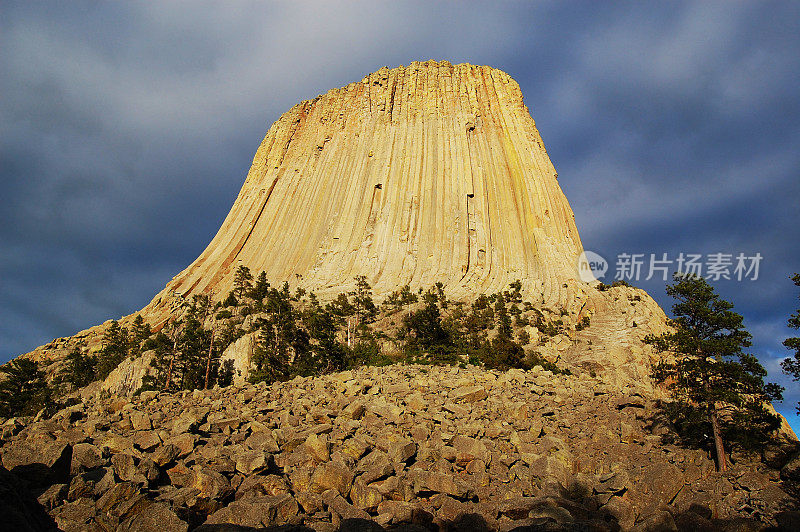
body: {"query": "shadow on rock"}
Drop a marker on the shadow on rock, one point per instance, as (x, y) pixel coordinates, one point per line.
(20, 511)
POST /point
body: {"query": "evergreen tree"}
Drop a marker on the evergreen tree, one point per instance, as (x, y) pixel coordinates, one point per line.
(116, 345)
(194, 343)
(260, 288)
(400, 298)
(81, 369)
(328, 354)
(242, 282)
(140, 331)
(163, 360)
(718, 389)
(424, 331)
(365, 309)
(24, 391)
(281, 342)
(505, 352)
(166, 362)
(343, 311)
(791, 366)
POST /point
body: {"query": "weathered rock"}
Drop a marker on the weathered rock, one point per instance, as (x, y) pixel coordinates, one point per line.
(120, 503)
(52, 496)
(166, 454)
(74, 516)
(79, 486)
(402, 451)
(354, 410)
(332, 475)
(125, 468)
(154, 516)
(257, 512)
(365, 497)
(426, 481)
(337, 504)
(184, 442)
(319, 447)
(211, 485)
(375, 466)
(239, 353)
(140, 420)
(86, 456)
(525, 456)
(660, 521)
(249, 462)
(791, 471)
(269, 485)
(146, 440)
(262, 441)
(470, 394)
(185, 423)
(469, 449)
(40, 464)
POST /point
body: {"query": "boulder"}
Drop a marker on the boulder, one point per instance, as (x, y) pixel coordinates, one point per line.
(332, 475)
(256, 512)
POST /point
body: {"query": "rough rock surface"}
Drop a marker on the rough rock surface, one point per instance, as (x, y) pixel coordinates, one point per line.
(396, 447)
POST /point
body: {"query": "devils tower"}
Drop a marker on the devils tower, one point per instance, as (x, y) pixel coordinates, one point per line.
(414, 175)
(430, 173)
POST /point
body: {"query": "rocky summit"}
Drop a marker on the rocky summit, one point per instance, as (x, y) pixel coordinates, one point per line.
(403, 447)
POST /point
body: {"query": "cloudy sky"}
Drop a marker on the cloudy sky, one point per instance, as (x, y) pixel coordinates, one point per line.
(126, 130)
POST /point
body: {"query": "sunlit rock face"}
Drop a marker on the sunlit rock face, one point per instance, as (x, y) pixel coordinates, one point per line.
(414, 175)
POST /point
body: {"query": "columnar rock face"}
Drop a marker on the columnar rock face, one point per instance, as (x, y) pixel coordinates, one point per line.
(415, 175)
(421, 174)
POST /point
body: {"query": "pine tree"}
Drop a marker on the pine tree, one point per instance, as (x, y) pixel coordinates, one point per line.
(714, 383)
(81, 369)
(24, 391)
(116, 345)
(140, 331)
(260, 288)
(400, 298)
(424, 331)
(194, 343)
(242, 282)
(343, 311)
(364, 307)
(166, 361)
(163, 348)
(327, 353)
(791, 366)
(281, 342)
(505, 352)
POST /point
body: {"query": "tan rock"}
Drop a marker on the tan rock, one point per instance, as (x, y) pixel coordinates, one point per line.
(458, 173)
(332, 475)
(470, 394)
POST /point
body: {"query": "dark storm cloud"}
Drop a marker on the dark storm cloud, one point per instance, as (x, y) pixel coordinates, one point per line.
(126, 131)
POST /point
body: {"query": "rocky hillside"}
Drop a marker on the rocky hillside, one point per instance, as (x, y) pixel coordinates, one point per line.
(394, 448)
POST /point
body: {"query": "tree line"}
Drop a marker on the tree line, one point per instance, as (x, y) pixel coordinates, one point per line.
(719, 397)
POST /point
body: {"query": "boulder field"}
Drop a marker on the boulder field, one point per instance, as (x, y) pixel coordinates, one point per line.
(403, 447)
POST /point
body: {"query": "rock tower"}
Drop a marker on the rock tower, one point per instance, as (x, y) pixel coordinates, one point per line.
(421, 174)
